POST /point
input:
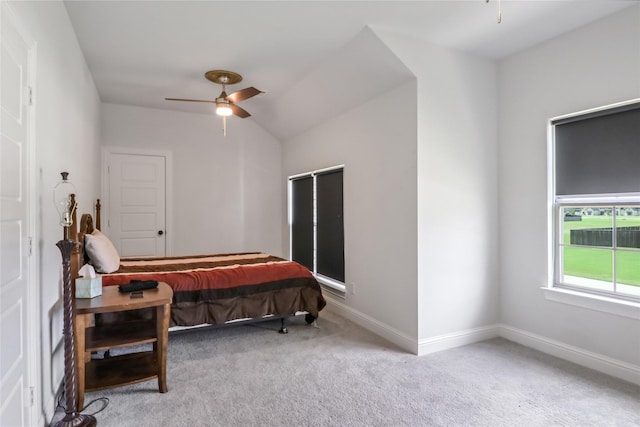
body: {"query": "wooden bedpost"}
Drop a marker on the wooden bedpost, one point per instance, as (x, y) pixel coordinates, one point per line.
(98, 206)
(73, 230)
(76, 254)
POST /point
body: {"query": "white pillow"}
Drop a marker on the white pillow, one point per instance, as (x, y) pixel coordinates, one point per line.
(103, 255)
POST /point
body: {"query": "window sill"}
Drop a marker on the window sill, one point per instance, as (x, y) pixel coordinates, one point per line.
(333, 286)
(594, 302)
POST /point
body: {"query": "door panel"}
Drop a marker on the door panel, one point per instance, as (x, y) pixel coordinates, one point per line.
(137, 204)
(14, 228)
(11, 232)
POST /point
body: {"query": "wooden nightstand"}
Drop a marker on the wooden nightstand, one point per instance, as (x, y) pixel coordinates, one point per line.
(131, 368)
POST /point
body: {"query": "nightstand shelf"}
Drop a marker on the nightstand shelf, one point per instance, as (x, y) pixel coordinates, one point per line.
(132, 367)
(120, 335)
(121, 370)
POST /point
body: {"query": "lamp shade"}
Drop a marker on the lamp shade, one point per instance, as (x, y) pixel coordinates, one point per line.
(62, 199)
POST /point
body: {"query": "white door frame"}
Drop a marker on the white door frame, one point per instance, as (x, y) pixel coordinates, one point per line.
(33, 296)
(107, 151)
(33, 289)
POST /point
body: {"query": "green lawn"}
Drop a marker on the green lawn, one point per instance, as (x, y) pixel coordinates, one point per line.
(597, 263)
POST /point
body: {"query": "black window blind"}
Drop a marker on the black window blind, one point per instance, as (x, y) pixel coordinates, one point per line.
(330, 225)
(599, 152)
(317, 222)
(302, 221)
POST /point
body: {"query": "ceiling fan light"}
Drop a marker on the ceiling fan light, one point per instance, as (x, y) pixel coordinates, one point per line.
(223, 110)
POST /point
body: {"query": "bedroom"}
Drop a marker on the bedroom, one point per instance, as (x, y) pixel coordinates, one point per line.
(459, 144)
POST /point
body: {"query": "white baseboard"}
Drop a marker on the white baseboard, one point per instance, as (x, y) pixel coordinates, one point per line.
(615, 368)
(607, 365)
(48, 410)
(407, 343)
(457, 339)
(381, 329)
(50, 401)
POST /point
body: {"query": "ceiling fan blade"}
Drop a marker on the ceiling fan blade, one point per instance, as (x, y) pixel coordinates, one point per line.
(240, 112)
(243, 94)
(189, 100)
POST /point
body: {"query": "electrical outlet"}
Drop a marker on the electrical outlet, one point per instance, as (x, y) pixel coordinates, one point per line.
(353, 288)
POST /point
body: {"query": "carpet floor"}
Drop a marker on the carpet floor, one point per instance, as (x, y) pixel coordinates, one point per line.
(342, 375)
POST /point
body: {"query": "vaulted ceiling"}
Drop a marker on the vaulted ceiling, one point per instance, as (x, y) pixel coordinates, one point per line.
(312, 58)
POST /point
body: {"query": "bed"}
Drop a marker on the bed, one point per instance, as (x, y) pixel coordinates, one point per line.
(214, 289)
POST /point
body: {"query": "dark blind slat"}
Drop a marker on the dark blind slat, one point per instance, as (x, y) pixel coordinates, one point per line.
(330, 225)
(599, 154)
(302, 221)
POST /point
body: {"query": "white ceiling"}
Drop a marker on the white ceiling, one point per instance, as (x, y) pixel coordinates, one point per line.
(140, 52)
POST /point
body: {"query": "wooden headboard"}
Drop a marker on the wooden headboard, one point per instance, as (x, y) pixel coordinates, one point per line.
(87, 226)
(86, 223)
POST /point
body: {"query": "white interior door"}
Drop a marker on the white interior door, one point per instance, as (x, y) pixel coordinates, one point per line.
(137, 196)
(15, 380)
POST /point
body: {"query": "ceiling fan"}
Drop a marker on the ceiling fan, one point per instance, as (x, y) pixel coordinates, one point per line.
(226, 104)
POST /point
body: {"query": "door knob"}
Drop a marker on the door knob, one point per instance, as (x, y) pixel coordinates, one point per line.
(160, 232)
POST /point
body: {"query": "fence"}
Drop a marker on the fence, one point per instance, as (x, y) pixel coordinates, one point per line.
(626, 237)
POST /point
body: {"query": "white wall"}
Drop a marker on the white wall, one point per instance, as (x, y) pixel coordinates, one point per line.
(366, 68)
(593, 66)
(66, 139)
(457, 245)
(226, 190)
(376, 143)
(440, 231)
(412, 175)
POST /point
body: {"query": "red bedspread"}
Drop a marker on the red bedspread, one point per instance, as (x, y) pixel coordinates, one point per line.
(218, 288)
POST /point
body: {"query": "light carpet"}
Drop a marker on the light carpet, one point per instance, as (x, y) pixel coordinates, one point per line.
(342, 375)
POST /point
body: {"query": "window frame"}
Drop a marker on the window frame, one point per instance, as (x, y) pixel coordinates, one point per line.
(334, 286)
(613, 201)
(556, 290)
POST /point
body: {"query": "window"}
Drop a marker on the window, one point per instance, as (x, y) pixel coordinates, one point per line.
(599, 247)
(317, 225)
(595, 200)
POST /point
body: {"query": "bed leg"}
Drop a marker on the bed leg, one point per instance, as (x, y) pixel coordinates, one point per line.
(311, 320)
(283, 329)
